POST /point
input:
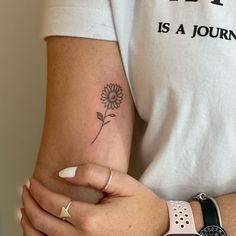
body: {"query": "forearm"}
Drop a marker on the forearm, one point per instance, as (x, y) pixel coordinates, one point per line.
(227, 205)
(77, 74)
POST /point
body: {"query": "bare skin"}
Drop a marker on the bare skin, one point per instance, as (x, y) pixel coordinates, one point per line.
(78, 71)
(129, 208)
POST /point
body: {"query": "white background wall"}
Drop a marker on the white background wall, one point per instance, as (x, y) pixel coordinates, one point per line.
(22, 100)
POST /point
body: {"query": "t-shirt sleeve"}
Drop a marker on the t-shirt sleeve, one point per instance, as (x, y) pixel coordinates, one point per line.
(78, 18)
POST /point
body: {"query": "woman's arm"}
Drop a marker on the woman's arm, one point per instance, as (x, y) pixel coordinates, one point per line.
(78, 71)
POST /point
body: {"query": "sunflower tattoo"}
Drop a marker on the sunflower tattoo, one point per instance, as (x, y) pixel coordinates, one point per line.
(111, 97)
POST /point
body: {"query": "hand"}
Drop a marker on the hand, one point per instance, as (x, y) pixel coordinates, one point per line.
(129, 208)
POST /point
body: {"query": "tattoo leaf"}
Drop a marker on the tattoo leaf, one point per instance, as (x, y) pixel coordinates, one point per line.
(100, 116)
(106, 122)
(112, 115)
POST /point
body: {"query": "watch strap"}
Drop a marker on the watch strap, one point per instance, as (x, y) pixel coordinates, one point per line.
(181, 219)
(210, 215)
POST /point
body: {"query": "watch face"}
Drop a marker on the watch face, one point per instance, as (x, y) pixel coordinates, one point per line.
(213, 230)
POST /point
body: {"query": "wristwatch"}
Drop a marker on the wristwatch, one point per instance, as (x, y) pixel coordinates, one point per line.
(211, 216)
(181, 219)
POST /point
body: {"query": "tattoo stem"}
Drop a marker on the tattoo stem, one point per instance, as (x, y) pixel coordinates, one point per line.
(100, 127)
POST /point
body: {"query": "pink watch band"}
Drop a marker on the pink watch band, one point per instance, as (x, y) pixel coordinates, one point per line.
(181, 218)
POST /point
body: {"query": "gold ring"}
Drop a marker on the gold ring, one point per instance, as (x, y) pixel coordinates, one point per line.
(65, 212)
(108, 181)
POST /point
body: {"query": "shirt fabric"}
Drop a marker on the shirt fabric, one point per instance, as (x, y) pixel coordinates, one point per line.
(179, 58)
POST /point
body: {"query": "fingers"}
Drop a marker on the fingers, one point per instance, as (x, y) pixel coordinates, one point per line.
(41, 220)
(97, 176)
(28, 229)
(53, 202)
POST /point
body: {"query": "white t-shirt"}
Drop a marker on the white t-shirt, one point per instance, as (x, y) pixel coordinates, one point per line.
(180, 61)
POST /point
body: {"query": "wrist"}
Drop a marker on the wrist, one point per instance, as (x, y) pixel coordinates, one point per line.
(164, 226)
(197, 214)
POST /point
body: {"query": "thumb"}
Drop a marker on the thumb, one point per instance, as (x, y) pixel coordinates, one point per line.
(101, 178)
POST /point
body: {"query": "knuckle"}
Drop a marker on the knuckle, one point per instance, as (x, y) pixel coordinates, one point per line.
(89, 223)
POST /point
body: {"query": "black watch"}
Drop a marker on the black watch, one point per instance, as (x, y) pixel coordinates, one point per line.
(211, 216)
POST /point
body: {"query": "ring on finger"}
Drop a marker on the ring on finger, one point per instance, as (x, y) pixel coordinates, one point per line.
(108, 181)
(65, 212)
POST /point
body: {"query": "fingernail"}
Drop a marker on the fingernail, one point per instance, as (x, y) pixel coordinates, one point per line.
(18, 214)
(68, 172)
(27, 184)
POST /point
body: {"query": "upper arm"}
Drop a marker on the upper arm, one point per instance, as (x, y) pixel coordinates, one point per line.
(78, 71)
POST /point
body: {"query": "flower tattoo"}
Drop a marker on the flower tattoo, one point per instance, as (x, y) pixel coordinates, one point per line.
(111, 97)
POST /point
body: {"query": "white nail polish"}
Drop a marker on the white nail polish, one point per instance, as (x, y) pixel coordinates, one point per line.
(27, 184)
(18, 214)
(68, 172)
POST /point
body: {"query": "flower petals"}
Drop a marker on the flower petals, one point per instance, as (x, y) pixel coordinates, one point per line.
(112, 101)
